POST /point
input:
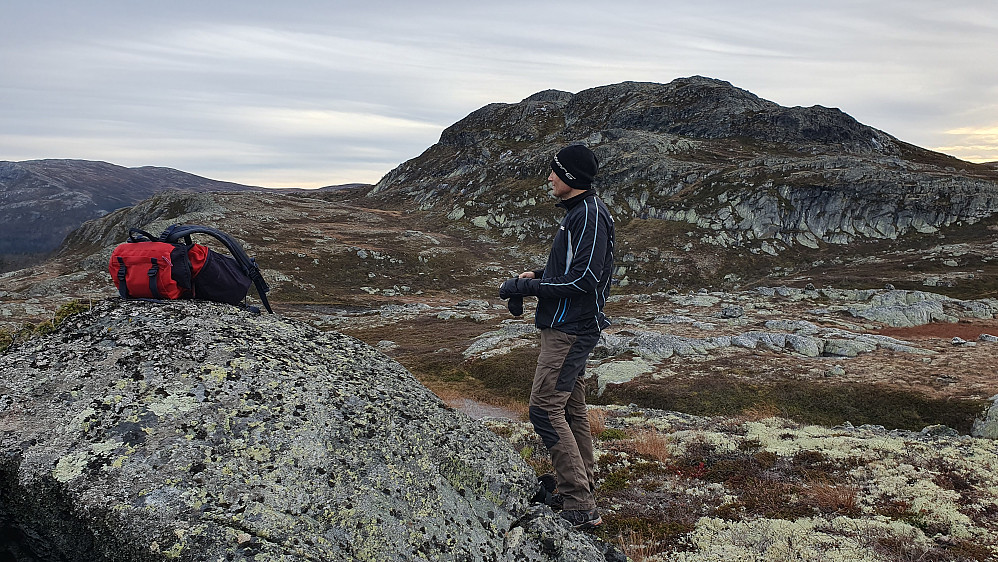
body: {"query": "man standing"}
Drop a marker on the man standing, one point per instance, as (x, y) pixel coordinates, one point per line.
(571, 291)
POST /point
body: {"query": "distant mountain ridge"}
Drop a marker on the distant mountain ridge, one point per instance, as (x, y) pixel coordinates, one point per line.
(41, 201)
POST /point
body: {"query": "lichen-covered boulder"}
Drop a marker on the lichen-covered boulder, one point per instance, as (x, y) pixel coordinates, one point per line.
(986, 425)
(194, 431)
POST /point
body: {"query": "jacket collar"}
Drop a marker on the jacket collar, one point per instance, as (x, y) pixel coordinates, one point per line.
(569, 203)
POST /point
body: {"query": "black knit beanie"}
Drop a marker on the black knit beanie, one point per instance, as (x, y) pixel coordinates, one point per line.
(576, 165)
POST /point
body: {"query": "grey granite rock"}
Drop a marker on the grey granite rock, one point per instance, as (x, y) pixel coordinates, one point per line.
(987, 424)
(193, 431)
(800, 337)
(847, 347)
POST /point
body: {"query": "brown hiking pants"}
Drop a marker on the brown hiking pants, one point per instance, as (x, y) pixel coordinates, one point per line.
(558, 413)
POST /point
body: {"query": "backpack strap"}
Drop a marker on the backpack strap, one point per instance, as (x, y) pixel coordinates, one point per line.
(139, 235)
(122, 272)
(175, 232)
(153, 274)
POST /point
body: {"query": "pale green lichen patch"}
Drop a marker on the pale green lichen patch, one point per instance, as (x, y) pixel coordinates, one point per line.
(839, 539)
(173, 405)
(70, 466)
(786, 439)
(105, 447)
(83, 419)
(213, 372)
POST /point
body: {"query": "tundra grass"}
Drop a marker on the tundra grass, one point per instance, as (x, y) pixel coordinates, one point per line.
(805, 402)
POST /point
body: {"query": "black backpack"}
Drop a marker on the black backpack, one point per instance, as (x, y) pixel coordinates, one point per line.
(173, 267)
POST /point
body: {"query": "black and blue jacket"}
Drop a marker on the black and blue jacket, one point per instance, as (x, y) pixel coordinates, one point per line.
(573, 287)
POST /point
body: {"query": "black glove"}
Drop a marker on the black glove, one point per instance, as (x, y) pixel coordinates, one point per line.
(514, 289)
(508, 288)
(515, 306)
(517, 287)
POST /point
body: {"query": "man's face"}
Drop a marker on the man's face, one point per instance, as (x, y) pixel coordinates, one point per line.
(558, 188)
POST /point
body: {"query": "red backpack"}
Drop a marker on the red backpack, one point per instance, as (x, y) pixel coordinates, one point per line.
(173, 267)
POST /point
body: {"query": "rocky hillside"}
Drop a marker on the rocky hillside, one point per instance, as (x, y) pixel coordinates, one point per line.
(190, 431)
(41, 201)
(700, 165)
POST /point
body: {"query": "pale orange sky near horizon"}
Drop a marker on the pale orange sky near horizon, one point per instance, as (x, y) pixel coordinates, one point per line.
(307, 95)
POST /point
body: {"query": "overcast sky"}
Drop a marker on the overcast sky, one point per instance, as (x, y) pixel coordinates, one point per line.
(305, 93)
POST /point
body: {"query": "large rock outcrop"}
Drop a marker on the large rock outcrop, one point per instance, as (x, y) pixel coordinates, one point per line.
(741, 170)
(195, 431)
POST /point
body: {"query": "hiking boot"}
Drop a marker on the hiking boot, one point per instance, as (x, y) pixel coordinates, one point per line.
(548, 482)
(584, 520)
(547, 492)
(555, 501)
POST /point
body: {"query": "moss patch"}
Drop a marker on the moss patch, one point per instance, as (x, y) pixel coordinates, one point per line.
(9, 337)
(822, 404)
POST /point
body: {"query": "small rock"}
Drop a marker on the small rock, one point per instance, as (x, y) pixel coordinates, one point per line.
(847, 347)
(618, 372)
(939, 430)
(958, 341)
(944, 540)
(732, 311)
(987, 338)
